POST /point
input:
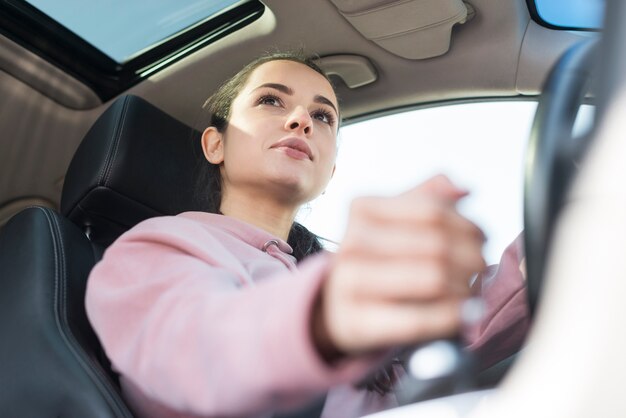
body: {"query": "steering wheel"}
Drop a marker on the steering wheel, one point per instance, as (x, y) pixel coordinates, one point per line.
(551, 157)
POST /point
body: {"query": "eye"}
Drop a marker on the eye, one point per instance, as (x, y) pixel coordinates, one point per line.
(269, 100)
(324, 116)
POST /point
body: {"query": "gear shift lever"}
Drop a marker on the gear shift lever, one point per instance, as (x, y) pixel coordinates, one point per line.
(436, 369)
(441, 367)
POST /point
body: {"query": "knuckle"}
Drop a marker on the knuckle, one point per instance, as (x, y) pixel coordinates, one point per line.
(474, 262)
(479, 264)
(424, 328)
(436, 214)
(448, 320)
(442, 319)
(440, 245)
(436, 283)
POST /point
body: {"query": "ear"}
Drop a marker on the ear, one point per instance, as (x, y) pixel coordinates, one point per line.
(213, 145)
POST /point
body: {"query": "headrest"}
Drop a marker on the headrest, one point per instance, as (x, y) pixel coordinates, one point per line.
(136, 162)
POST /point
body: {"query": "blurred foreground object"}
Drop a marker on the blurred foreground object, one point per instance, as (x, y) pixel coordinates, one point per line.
(574, 365)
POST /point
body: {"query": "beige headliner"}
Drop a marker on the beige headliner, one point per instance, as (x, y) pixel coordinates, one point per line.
(500, 52)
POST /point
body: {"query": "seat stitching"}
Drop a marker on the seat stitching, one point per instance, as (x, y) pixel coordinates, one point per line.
(61, 322)
(107, 158)
(117, 140)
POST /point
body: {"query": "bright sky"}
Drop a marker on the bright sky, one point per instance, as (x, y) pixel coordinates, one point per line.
(120, 28)
(479, 146)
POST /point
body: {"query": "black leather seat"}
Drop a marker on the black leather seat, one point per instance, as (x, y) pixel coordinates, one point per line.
(136, 162)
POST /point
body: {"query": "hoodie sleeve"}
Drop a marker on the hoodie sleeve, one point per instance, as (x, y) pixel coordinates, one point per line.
(184, 332)
(504, 325)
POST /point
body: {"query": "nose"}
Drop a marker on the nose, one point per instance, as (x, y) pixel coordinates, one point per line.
(299, 120)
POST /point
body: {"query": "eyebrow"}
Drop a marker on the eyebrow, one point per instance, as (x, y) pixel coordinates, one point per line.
(289, 91)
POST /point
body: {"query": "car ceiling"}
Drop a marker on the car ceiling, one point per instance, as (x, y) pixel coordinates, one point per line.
(500, 52)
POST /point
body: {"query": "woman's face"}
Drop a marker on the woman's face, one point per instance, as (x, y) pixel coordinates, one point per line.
(282, 134)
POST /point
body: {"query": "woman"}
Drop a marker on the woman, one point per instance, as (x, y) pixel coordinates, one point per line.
(208, 314)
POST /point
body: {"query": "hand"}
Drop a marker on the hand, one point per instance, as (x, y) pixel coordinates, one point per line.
(401, 274)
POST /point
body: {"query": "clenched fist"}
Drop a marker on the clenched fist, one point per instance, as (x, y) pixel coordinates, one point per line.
(401, 273)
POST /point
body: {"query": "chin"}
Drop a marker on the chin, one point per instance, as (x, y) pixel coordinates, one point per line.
(295, 188)
(302, 185)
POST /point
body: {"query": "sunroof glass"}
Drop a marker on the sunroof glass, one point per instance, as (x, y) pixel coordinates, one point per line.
(572, 14)
(123, 29)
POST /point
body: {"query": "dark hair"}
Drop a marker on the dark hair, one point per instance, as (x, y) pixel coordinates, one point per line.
(218, 107)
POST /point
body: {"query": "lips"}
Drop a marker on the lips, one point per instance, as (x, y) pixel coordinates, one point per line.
(296, 144)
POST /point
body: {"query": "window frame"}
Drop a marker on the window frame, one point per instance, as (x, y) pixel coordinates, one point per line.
(433, 104)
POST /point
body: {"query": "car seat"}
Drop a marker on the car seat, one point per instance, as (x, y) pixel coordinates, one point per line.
(136, 162)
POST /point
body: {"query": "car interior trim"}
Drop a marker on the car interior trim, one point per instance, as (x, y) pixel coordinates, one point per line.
(354, 70)
(414, 29)
(38, 73)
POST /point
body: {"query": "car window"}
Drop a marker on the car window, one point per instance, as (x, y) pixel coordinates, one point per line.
(479, 146)
(142, 25)
(113, 45)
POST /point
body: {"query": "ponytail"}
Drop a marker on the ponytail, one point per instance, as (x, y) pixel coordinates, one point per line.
(303, 242)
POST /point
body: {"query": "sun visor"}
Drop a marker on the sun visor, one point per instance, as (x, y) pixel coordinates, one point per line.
(414, 29)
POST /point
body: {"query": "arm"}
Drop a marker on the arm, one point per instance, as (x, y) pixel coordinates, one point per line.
(503, 328)
(177, 325)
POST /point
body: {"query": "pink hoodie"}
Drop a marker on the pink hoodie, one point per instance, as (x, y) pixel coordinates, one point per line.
(205, 315)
